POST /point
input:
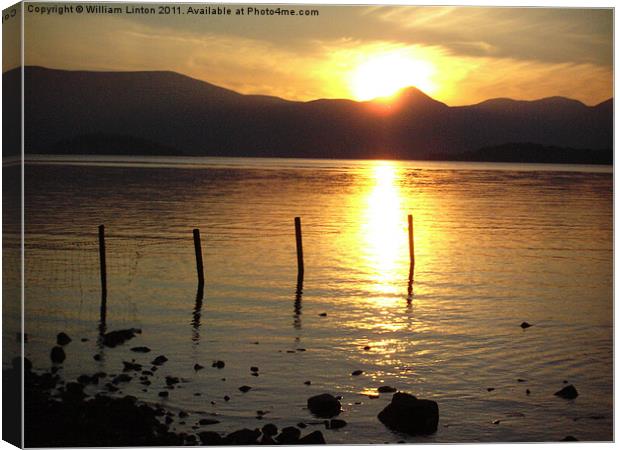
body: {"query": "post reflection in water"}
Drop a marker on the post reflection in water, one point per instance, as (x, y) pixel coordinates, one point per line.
(299, 289)
(196, 314)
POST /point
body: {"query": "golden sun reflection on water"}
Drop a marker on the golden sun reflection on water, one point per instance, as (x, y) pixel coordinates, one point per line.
(384, 232)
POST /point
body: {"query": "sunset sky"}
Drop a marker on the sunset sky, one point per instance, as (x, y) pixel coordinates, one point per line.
(459, 55)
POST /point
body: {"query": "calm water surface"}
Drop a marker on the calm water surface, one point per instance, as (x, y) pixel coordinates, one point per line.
(495, 245)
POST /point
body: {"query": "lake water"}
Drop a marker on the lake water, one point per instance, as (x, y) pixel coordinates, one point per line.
(495, 245)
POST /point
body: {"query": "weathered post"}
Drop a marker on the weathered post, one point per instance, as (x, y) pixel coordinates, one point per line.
(411, 249)
(104, 280)
(300, 251)
(102, 263)
(199, 267)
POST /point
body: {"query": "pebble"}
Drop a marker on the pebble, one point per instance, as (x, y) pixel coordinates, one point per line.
(386, 389)
(525, 325)
(357, 372)
(245, 388)
(218, 364)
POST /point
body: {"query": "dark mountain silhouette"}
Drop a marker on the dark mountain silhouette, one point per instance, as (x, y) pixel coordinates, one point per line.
(169, 113)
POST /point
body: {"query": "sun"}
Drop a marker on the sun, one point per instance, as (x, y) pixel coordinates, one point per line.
(385, 74)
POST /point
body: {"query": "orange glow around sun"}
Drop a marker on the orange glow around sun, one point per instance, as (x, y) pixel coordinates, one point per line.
(383, 75)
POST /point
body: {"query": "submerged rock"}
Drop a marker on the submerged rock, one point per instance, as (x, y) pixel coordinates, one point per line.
(410, 415)
(525, 325)
(356, 373)
(324, 405)
(334, 424)
(386, 389)
(57, 355)
(140, 349)
(198, 367)
(131, 367)
(161, 359)
(62, 338)
(208, 421)
(218, 364)
(118, 337)
(570, 438)
(568, 392)
(314, 438)
(245, 388)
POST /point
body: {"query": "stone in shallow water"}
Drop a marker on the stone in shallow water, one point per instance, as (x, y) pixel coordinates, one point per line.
(159, 360)
(525, 325)
(314, 438)
(62, 338)
(568, 392)
(410, 415)
(57, 355)
(324, 405)
(118, 337)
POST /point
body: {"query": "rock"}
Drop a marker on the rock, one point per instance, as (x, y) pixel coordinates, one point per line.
(410, 415)
(267, 440)
(210, 438)
(568, 392)
(171, 380)
(183, 414)
(496, 422)
(131, 367)
(308, 383)
(198, 367)
(525, 325)
(97, 357)
(323, 314)
(57, 355)
(242, 437)
(288, 436)
(84, 339)
(302, 425)
(218, 364)
(161, 359)
(147, 373)
(356, 373)
(62, 338)
(245, 388)
(226, 398)
(254, 374)
(386, 389)
(118, 337)
(521, 380)
(324, 405)
(490, 389)
(163, 394)
(269, 429)
(208, 421)
(253, 369)
(570, 438)
(527, 391)
(334, 424)
(314, 438)
(86, 379)
(122, 378)
(140, 349)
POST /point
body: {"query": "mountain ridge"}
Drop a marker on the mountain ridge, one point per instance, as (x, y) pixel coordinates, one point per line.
(195, 117)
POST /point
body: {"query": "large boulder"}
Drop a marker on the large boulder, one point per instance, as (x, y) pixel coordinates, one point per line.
(324, 405)
(410, 415)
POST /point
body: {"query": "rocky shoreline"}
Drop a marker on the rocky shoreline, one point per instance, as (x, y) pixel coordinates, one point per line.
(60, 413)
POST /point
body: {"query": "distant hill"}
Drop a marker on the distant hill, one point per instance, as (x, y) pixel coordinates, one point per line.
(169, 113)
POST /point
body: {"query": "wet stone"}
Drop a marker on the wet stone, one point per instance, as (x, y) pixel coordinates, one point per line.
(57, 355)
(356, 373)
(410, 415)
(131, 367)
(140, 349)
(218, 364)
(161, 359)
(289, 435)
(245, 388)
(118, 337)
(525, 325)
(198, 367)
(386, 389)
(163, 394)
(62, 338)
(335, 424)
(314, 438)
(568, 392)
(208, 421)
(324, 405)
(210, 438)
